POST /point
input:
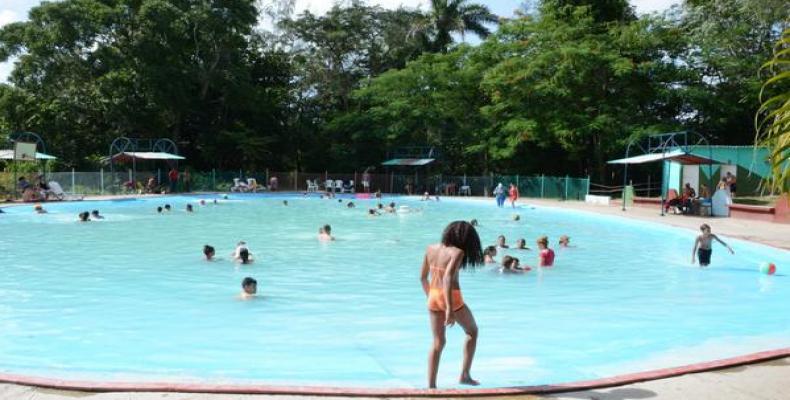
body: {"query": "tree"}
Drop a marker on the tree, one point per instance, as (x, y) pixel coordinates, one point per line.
(727, 41)
(584, 85)
(184, 69)
(772, 120)
(434, 30)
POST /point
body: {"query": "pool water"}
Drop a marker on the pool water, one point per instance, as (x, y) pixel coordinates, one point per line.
(130, 298)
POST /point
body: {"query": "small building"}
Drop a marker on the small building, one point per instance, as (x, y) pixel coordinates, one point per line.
(749, 164)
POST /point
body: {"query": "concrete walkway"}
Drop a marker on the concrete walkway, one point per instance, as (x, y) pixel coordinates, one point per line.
(770, 233)
(765, 381)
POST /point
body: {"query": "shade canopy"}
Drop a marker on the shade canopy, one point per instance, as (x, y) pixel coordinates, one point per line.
(677, 155)
(127, 156)
(9, 155)
(411, 162)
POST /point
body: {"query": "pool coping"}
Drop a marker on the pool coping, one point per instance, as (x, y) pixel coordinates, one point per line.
(239, 389)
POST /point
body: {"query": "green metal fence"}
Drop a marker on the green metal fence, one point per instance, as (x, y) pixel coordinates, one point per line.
(128, 182)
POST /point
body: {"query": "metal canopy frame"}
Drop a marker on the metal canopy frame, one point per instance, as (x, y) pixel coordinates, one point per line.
(123, 144)
(664, 143)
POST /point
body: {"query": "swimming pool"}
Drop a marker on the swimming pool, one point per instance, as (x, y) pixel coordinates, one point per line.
(130, 298)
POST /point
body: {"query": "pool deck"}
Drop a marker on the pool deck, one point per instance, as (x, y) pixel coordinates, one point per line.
(763, 381)
(759, 381)
(769, 233)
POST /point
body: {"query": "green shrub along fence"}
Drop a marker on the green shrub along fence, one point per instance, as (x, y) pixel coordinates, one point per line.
(127, 182)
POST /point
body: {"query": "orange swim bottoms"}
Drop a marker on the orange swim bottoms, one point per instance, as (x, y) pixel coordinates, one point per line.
(436, 300)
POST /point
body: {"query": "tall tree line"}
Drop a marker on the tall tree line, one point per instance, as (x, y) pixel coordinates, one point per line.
(558, 88)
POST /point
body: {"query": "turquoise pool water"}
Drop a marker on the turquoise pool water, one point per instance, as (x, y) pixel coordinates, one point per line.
(130, 297)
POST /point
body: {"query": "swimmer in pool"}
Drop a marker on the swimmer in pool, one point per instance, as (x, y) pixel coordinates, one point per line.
(500, 242)
(189, 208)
(202, 202)
(285, 203)
(242, 253)
(249, 287)
(516, 217)
(521, 244)
(159, 209)
(702, 246)
(167, 207)
(488, 255)
(373, 213)
(84, 216)
(510, 266)
(545, 254)
(565, 241)
(390, 208)
(459, 248)
(350, 204)
(39, 209)
(325, 233)
(95, 215)
(209, 252)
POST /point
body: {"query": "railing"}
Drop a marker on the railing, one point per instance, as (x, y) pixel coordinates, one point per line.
(121, 182)
(645, 189)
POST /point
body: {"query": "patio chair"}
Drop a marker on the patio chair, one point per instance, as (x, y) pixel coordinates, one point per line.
(56, 190)
(239, 186)
(339, 186)
(349, 188)
(465, 190)
(312, 186)
(329, 185)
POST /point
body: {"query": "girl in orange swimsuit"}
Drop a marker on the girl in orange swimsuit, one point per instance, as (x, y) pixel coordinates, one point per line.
(460, 246)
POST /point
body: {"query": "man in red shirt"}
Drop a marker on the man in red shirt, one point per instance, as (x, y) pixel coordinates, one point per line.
(173, 176)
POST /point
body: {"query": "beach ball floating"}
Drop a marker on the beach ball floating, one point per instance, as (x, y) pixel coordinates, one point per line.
(767, 268)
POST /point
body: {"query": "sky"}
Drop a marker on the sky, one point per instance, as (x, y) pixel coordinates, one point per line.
(17, 10)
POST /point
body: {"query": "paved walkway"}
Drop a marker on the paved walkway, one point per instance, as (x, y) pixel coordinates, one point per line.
(770, 233)
(764, 381)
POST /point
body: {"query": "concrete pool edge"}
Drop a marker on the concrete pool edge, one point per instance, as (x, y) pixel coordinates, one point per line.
(239, 389)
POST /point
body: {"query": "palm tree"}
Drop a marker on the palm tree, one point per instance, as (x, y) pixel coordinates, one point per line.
(773, 118)
(446, 17)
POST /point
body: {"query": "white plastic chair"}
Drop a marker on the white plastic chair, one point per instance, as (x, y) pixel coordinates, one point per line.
(312, 186)
(349, 188)
(238, 186)
(56, 190)
(330, 185)
(339, 186)
(465, 190)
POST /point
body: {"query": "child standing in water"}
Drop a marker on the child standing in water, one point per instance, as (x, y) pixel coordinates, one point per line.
(459, 248)
(545, 254)
(249, 287)
(702, 248)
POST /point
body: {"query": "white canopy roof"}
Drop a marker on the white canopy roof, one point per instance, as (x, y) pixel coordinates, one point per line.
(9, 155)
(678, 155)
(146, 155)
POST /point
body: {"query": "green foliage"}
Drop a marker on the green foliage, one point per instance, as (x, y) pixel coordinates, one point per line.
(91, 70)
(772, 120)
(558, 89)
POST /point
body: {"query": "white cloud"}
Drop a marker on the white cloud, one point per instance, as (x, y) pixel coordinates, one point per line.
(8, 16)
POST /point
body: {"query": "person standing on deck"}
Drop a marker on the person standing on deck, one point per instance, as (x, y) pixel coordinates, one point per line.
(513, 192)
(187, 180)
(173, 176)
(499, 193)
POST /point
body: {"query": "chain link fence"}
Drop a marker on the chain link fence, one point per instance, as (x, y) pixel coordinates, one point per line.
(129, 182)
